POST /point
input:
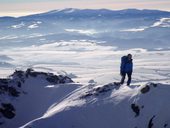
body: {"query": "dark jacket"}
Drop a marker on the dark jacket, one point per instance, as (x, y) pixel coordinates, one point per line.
(126, 65)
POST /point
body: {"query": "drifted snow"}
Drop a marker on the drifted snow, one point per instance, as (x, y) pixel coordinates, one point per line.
(135, 29)
(86, 32)
(22, 24)
(163, 22)
(33, 26)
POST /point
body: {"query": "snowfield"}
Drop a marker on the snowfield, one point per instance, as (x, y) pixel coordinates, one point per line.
(64, 64)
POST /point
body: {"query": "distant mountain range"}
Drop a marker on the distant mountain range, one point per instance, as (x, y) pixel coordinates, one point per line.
(129, 28)
(105, 13)
(100, 13)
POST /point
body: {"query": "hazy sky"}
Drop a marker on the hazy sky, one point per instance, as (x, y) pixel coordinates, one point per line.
(23, 7)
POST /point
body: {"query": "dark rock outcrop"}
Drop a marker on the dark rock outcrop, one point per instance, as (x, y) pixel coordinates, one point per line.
(150, 125)
(99, 90)
(13, 91)
(135, 109)
(11, 88)
(165, 125)
(7, 110)
(145, 89)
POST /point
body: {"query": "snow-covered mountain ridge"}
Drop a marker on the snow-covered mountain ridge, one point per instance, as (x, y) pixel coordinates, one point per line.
(110, 106)
(26, 94)
(42, 100)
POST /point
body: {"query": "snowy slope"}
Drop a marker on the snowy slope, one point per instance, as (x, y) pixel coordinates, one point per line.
(37, 99)
(26, 95)
(109, 106)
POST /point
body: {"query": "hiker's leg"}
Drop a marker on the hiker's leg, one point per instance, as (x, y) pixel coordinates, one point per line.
(129, 78)
(123, 75)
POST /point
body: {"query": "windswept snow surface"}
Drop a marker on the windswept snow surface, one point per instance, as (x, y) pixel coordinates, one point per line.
(110, 106)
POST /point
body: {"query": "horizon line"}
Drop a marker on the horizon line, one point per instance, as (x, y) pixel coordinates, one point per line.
(28, 13)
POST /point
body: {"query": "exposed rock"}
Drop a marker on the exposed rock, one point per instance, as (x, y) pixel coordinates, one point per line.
(53, 79)
(28, 71)
(145, 89)
(165, 125)
(19, 84)
(50, 77)
(99, 90)
(20, 75)
(1, 123)
(13, 92)
(135, 109)
(7, 110)
(35, 74)
(58, 79)
(150, 125)
(154, 85)
(4, 81)
(3, 89)
(86, 95)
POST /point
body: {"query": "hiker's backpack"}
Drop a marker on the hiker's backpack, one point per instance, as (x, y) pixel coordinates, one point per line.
(123, 63)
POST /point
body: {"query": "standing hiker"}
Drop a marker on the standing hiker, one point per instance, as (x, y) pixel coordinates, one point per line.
(126, 68)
